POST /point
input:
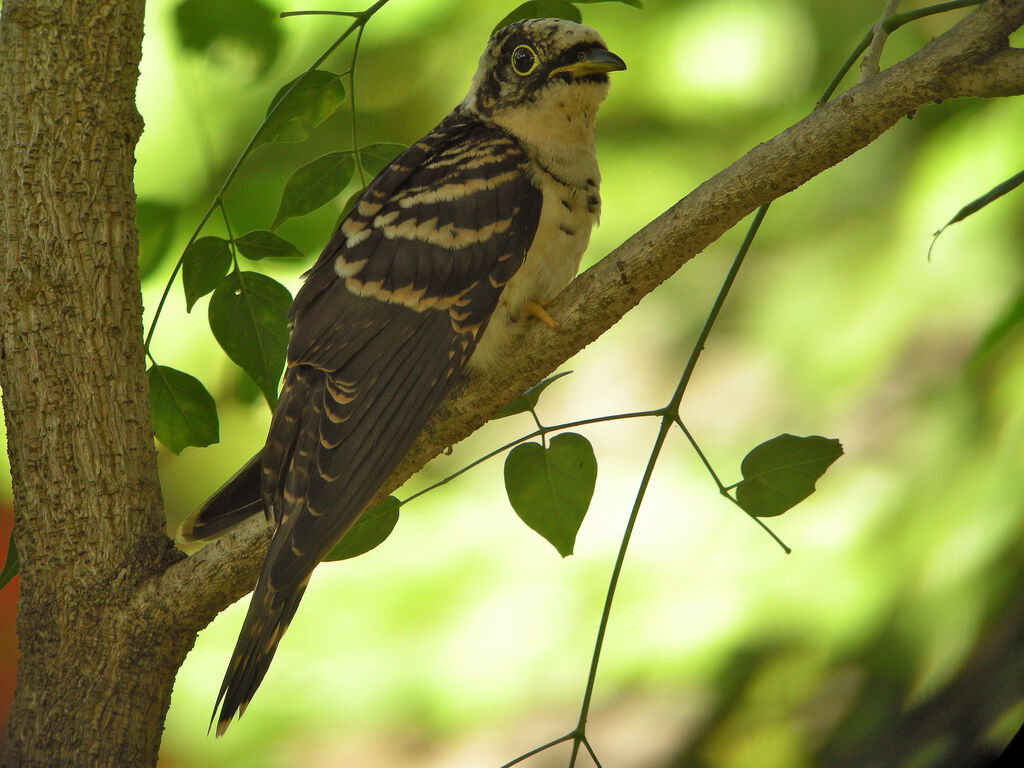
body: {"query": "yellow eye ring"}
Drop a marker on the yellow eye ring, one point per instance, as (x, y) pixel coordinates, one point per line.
(524, 60)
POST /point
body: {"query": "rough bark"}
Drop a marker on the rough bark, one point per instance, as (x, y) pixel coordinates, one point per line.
(93, 680)
(108, 609)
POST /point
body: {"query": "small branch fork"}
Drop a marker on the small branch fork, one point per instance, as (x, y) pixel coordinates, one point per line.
(870, 64)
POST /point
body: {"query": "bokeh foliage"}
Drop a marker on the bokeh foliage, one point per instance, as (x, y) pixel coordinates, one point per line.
(892, 635)
(464, 634)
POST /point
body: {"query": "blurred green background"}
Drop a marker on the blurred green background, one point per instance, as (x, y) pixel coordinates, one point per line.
(894, 633)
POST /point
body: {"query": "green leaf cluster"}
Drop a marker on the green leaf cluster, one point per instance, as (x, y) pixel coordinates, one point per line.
(553, 9)
(251, 23)
(248, 311)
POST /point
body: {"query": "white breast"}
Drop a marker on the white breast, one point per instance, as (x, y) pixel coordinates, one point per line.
(557, 132)
(568, 213)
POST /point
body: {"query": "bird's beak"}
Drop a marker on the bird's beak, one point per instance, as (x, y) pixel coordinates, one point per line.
(593, 62)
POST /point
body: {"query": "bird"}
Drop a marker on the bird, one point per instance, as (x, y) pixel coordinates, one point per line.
(472, 229)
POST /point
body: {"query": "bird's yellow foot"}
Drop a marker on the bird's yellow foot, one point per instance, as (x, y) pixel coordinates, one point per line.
(536, 309)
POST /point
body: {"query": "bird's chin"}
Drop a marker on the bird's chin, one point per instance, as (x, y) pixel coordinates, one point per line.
(568, 79)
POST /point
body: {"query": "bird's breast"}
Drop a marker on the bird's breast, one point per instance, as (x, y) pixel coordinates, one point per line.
(568, 213)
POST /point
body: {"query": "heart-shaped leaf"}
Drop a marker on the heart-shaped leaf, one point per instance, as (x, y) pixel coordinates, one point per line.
(550, 488)
(634, 3)
(368, 531)
(183, 411)
(315, 184)
(203, 267)
(249, 319)
(302, 104)
(781, 472)
(261, 244)
(541, 9)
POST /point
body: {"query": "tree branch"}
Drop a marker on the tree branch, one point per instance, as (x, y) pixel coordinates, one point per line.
(971, 59)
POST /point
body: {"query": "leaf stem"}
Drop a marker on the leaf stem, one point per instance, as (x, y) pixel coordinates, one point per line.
(669, 415)
(350, 14)
(724, 489)
(889, 25)
(588, 693)
(536, 433)
(352, 108)
(359, 21)
(538, 750)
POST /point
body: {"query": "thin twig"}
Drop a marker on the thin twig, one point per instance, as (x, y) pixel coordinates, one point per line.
(871, 63)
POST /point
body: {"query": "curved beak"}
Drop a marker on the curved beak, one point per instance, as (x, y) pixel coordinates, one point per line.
(593, 62)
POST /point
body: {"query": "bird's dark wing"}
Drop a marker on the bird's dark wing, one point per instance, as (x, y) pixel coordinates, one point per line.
(385, 321)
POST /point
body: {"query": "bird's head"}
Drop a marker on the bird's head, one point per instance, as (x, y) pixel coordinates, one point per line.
(542, 64)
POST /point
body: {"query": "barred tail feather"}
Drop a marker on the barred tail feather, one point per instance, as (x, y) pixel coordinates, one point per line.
(268, 617)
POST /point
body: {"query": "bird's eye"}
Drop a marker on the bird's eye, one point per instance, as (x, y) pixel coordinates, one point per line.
(524, 60)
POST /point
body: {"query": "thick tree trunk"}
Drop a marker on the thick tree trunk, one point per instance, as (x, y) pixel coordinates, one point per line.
(93, 681)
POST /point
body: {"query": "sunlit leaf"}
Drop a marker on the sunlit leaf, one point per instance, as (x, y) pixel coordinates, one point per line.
(155, 222)
(261, 244)
(11, 564)
(550, 488)
(541, 9)
(634, 3)
(528, 400)
(368, 531)
(200, 23)
(780, 473)
(249, 319)
(203, 267)
(183, 411)
(315, 96)
(375, 157)
(314, 185)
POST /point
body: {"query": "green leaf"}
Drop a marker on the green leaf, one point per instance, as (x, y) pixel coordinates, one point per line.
(541, 9)
(634, 3)
(261, 244)
(203, 267)
(201, 23)
(375, 157)
(368, 531)
(349, 205)
(249, 319)
(550, 488)
(780, 473)
(155, 223)
(184, 414)
(315, 96)
(528, 400)
(11, 564)
(314, 185)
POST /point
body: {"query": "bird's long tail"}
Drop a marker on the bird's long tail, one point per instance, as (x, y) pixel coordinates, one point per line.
(268, 617)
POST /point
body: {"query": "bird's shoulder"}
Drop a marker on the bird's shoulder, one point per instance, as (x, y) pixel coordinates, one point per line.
(442, 228)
